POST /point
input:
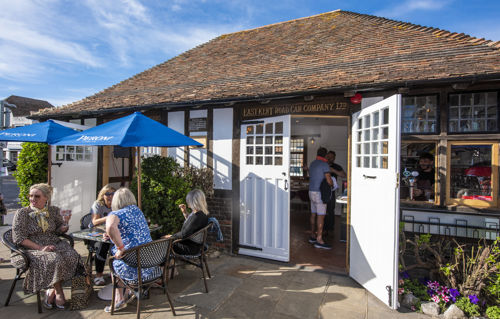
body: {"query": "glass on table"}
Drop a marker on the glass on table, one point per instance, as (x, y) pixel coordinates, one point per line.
(66, 215)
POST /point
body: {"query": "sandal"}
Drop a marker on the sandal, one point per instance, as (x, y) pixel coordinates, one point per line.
(119, 306)
(45, 302)
(99, 281)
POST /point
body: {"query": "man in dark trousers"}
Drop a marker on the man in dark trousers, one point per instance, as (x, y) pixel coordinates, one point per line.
(335, 171)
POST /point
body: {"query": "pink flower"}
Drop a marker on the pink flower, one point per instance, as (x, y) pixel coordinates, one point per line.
(436, 299)
(434, 285)
(445, 289)
(445, 298)
(413, 308)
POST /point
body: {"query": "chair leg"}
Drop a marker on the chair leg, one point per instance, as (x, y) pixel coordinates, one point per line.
(206, 266)
(139, 293)
(203, 272)
(39, 301)
(113, 295)
(12, 287)
(170, 302)
(172, 272)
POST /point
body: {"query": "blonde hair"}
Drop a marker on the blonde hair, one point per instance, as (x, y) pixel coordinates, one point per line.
(46, 189)
(123, 197)
(104, 190)
(196, 200)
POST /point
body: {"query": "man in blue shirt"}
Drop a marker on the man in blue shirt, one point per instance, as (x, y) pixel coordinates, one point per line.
(318, 171)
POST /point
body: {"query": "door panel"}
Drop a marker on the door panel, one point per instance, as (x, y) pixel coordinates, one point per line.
(264, 188)
(374, 224)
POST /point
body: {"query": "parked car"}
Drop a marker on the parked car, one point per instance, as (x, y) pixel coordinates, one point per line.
(9, 164)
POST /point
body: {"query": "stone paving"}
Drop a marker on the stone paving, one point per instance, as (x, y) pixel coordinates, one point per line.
(241, 287)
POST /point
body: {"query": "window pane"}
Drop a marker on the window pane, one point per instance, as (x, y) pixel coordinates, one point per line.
(268, 150)
(278, 160)
(418, 169)
(258, 160)
(374, 162)
(258, 150)
(278, 140)
(259, 129)
(278, 150)
(269, 128)
(269, 160)
(278, 128)
(249, 149)
(249, 140)
(419, 114)
(471, 172)
(269, 140)
(259, 140)
(250, 129)
(249, 160)
(385, 116)
(470, 112)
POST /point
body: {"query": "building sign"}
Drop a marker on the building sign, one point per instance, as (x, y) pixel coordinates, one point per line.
(332, 107)
(198, 124)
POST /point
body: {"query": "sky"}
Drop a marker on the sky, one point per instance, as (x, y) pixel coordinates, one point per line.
(62, 51)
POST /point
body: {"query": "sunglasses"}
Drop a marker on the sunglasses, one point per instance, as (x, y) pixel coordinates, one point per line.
(109, 194)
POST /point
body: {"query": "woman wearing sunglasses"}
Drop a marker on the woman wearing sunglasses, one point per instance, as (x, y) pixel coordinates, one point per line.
(99, 210)
(52, 260)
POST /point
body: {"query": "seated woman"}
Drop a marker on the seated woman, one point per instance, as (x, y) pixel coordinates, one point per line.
(193, 222)
(127, 227)
(52, 259)
(99, 210)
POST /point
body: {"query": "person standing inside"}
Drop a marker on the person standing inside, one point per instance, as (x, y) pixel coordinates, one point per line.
(318, 170)
(426, 178)
(336, 171)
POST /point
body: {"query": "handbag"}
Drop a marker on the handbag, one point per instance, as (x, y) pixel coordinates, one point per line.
(81, 287)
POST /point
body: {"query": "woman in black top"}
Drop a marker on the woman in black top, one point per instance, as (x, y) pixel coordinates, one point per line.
(195, 221)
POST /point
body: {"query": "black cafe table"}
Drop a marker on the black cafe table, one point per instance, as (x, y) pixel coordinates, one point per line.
(96, 234)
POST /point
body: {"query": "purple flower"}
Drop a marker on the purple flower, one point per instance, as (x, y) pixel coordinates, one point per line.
(405, 275)
(434, 285)
(474, 299)
(430, 292)
(454, 293)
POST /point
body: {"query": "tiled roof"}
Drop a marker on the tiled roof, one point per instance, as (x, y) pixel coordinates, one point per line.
(331, 50)
(25, 105)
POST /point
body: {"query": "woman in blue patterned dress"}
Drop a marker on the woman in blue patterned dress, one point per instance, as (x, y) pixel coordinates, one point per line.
(127, 227)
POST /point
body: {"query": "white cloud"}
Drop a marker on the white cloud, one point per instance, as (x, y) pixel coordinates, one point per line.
(410, 6)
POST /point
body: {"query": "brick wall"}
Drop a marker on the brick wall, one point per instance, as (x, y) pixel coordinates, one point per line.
(221, 208)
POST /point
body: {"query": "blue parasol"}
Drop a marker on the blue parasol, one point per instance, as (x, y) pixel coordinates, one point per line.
(134, 130)
(45, 132)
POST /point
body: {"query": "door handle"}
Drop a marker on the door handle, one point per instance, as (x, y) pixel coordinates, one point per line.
(286, 184)
(368, 176)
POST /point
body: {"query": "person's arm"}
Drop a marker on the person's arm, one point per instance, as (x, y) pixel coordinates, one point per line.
(97, 218)
(339, 173)
(329, 179)
(113, 232)
(190, 226)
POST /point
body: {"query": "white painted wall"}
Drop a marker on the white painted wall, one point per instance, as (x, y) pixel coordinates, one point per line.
(176, 122)
(223, 148)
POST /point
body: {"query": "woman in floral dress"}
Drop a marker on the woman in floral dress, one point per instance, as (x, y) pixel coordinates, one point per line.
(53, 260)
(127, 227)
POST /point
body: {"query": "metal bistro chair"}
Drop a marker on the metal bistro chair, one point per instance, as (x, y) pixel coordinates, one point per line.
(84, 224)
(199, 260)
(7, 241)
(153, 254)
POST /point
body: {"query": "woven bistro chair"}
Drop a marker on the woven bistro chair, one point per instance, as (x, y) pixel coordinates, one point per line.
(84, 224)
(199, 260)
(22, 269)
(153, 254)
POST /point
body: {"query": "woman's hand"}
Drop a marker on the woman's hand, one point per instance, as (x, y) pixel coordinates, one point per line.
(48, 248)
(119, 254)
(166, 236)
(183, 208)
(105, 236)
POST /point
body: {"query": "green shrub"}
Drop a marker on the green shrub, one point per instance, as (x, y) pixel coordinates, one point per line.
(163, 189)
(31, 168)
(493, 312)
(467, 306)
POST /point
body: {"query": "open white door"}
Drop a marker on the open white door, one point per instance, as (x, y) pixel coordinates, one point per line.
(374, 199)
(74, 178)
(265, 188)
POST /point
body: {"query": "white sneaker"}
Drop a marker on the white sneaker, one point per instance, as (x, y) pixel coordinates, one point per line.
(99, 281)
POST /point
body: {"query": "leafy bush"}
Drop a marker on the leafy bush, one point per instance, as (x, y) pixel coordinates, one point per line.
(164, 185)
(31, 168)
(493, 312)
(468, 305)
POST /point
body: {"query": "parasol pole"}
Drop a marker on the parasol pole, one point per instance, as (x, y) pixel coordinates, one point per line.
(139, 192)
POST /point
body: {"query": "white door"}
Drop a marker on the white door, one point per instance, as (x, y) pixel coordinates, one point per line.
(265, 188)
(375, 199)
(74, 178)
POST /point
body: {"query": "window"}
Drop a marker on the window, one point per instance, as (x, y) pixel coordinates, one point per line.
(372, 140)
(297, 151)
(74, 153)
(472, 177)
(473, 112)
(418, 172)
(419, 114)
(14, 155)
(264, 144)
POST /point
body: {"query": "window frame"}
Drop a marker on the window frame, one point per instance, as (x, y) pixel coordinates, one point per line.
(438, 115)
(304, 153)
(437, 194)
(472, 132)
(494, 176)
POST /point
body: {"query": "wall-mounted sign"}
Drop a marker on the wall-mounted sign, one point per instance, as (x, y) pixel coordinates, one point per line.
(198, 124)
(199, 139)
(333, 106)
